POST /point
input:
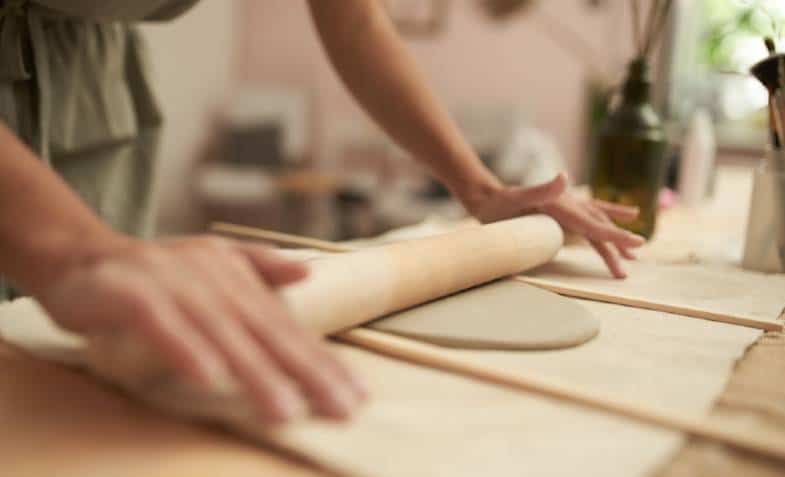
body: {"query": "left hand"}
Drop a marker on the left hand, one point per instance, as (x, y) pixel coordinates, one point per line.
(591, 219)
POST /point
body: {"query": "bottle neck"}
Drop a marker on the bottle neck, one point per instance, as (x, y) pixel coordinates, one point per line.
(637, 87)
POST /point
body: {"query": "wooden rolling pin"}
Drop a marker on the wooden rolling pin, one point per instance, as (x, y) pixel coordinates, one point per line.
(346, 290)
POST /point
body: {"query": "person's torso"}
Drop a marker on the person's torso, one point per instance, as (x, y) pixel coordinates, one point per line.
(118, 10)
(74, 86)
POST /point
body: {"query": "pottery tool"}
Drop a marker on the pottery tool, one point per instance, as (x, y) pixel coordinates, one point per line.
(350, 289)
(551, 285)
(430, 356)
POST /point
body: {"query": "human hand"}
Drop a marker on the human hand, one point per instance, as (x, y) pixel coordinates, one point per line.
(207, 305)
(590, 218)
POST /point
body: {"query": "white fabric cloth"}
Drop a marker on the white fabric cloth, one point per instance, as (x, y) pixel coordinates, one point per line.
(423, 422)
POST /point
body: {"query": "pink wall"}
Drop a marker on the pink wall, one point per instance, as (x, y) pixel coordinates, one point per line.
(192, 71)
(472, 62)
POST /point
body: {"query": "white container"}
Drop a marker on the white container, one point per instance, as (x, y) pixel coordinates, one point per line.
(697, 160)
(764, 248)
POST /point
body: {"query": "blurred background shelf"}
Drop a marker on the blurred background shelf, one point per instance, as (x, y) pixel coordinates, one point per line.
(268, 136)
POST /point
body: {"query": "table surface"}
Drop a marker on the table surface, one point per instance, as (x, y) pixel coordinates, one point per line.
(755, 396)
(56, 421)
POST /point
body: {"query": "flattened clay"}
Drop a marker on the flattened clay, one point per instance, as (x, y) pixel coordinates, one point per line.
(503, 315)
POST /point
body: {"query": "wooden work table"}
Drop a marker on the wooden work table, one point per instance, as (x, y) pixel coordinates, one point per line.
(57, 422)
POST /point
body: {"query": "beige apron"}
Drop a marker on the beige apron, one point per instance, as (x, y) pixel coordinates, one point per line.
(74, 87)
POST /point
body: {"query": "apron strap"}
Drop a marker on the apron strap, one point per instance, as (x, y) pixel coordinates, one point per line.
(13, 66)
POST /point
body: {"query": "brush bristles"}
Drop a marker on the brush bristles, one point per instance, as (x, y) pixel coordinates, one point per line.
(770, 45)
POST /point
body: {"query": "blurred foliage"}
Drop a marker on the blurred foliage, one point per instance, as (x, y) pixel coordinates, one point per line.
(731, 24)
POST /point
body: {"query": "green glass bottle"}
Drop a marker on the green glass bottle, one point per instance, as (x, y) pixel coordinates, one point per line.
(629, 166)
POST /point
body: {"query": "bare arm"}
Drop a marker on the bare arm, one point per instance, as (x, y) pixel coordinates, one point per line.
(206, 304)
(44, 227)
(378, 69)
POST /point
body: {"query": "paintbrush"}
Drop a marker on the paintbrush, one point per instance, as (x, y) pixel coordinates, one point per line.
(774, 131)
(779, 158)
(779, 104)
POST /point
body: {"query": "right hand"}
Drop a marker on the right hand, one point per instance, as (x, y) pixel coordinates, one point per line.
(207, 305)
(591, 219)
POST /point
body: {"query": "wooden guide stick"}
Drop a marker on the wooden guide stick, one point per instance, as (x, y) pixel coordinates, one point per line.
(432, 357)
(288, 239)
(279, 237)
(575, 292)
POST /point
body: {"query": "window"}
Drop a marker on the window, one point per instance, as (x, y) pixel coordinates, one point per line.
(714, 45)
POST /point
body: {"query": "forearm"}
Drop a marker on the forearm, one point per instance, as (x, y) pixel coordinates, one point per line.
(44, 226)
(382, 75)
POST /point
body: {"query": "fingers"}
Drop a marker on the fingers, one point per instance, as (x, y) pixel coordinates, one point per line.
(205, 318)
(208, 308)
(537, 196)
(618, 212)
(601, 216)
(330, 388)
(610, 258)
(627, 254)
(591, 221)
(607, 232)
(160, 322)
(331, 392)
(276, 270)
(276, 397)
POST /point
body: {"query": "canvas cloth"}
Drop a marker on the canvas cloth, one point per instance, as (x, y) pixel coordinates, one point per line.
(424, 422)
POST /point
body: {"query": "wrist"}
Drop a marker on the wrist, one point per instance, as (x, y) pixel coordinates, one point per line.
(59, 254)
(476, 189)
